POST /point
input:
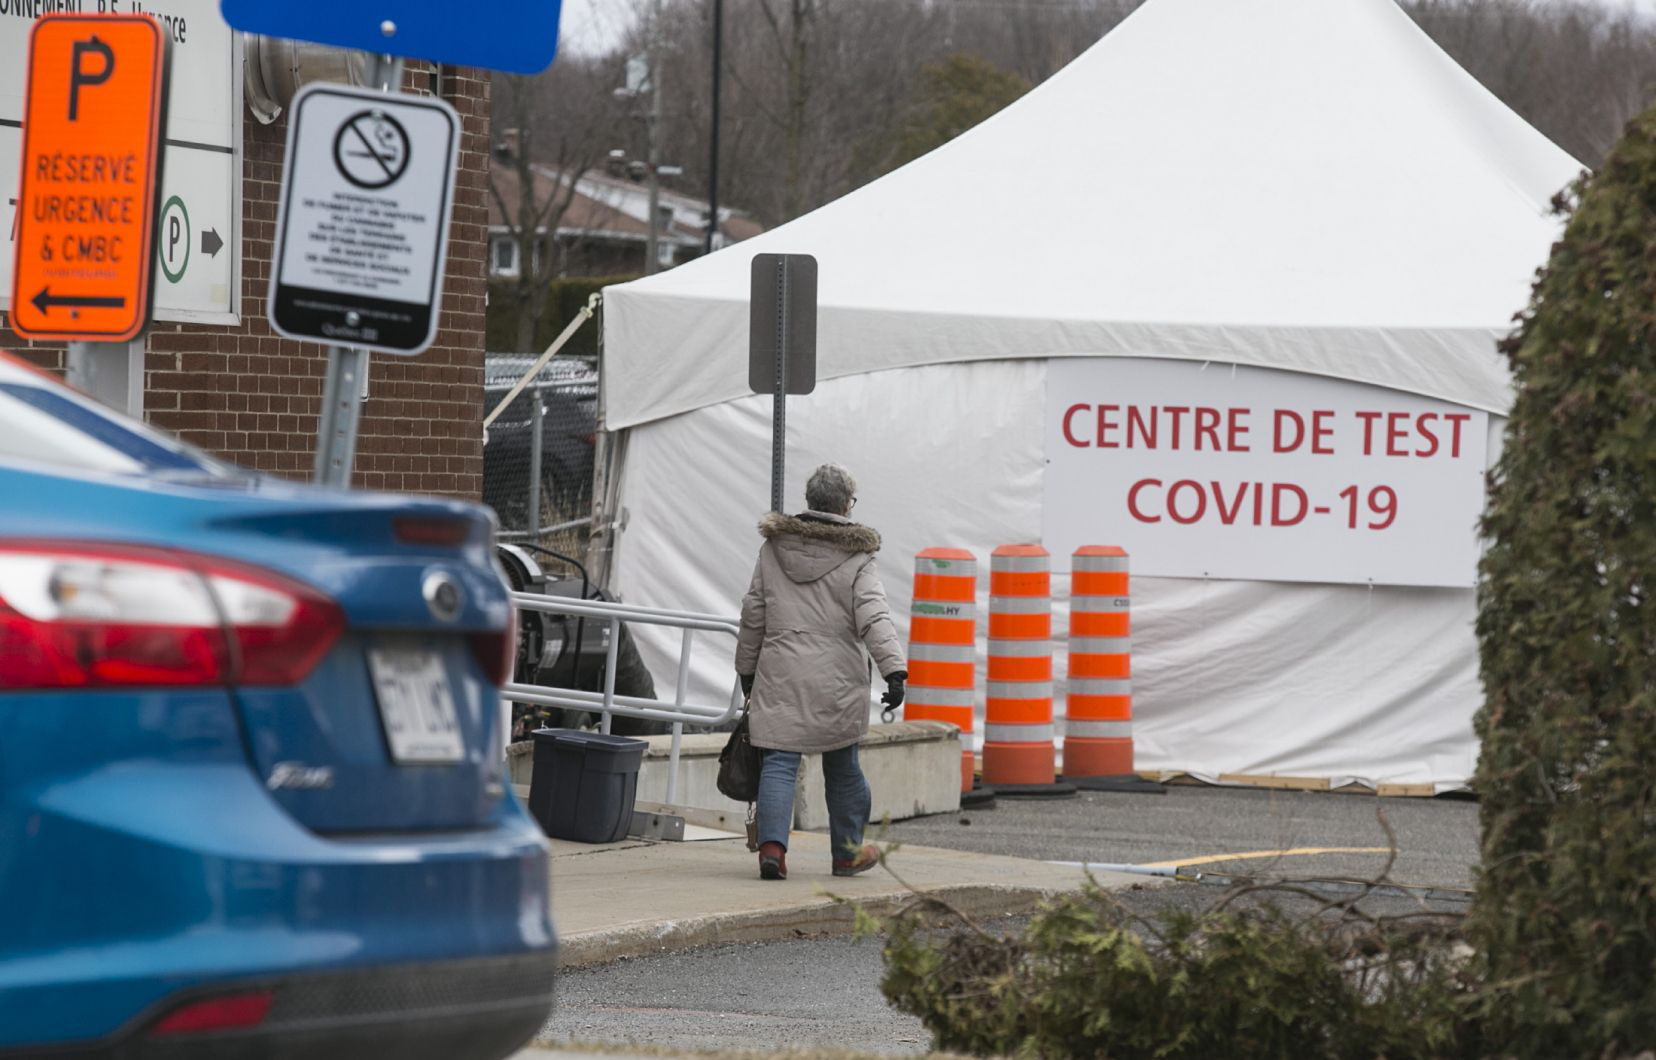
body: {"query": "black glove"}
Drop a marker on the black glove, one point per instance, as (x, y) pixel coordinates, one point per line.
(747, 683)
(893, 697)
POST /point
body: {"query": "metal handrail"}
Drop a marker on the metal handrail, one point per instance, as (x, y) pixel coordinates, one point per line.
(677, 712)
(660, 616)
(635, 707)
(548, 531)
(582, 382)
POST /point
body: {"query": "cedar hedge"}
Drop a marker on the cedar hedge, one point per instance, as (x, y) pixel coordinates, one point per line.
(564, 299)
(1565, 919)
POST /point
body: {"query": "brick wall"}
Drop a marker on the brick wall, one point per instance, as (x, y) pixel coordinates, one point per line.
(252, 397)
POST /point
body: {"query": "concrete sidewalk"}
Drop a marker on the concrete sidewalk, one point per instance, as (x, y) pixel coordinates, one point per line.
(634, 898)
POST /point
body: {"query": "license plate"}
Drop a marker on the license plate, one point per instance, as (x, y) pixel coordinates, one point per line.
(415, 704)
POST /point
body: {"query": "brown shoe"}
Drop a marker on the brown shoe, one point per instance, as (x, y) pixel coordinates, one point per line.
(867, 859)
(773, 861)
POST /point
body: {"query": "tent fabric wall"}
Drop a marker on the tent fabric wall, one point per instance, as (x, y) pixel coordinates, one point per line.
(1383, 680)
(1372, 686)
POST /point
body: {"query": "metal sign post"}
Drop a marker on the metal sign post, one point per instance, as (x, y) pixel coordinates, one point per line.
(779, 392)
(336, 429)
(109, 372)
(782, 344)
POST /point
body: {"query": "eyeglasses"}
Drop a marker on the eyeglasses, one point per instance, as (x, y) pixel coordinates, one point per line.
(853, 503)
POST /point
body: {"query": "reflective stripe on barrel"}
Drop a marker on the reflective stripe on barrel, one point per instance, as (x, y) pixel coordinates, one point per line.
(942, 684)
(1017, 730)
(1098, 721)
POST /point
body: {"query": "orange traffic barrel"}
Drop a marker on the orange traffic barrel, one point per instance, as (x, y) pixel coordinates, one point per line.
(1017, 728)
(1098, 716)
(1098, 721)
(942, 684)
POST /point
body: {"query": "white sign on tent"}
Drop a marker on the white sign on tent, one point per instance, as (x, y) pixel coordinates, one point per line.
(1218, 471)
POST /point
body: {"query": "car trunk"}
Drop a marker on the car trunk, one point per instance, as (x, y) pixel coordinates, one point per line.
(398, 726)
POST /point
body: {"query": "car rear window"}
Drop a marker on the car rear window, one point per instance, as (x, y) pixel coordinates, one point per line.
(42, 422)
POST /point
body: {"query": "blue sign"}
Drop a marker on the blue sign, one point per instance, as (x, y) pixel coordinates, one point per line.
(520, 36)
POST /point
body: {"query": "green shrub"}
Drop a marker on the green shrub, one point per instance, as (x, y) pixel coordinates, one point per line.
(564, 298)
(1565, 917)
(1088, 979)
(956, 93)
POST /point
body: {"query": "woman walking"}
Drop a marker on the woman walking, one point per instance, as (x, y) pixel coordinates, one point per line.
(815, 613)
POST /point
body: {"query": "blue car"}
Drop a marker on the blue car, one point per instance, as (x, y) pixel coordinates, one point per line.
(252, 785)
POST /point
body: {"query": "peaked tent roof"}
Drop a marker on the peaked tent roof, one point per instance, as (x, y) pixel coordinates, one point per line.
(1304, 184)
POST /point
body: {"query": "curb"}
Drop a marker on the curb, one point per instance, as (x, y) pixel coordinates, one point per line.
(818, 919)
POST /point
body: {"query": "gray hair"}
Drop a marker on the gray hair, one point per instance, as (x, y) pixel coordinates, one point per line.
(830, 489)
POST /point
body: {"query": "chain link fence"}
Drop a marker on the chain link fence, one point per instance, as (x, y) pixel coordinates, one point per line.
(538, 455)
(539, 464)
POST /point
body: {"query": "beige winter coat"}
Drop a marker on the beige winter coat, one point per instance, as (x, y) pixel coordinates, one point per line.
(814, 606)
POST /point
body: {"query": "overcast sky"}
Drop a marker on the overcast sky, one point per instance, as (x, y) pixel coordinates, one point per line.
(593, 25)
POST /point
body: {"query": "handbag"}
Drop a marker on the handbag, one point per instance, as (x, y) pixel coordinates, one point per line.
(739, 765)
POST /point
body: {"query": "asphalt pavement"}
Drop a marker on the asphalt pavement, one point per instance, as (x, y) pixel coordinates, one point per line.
(1204, 828)
(798, 994)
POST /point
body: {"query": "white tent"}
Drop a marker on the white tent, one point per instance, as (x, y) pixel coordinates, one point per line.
(1278, 208)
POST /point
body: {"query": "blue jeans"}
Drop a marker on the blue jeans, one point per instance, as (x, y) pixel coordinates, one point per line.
(848, 798)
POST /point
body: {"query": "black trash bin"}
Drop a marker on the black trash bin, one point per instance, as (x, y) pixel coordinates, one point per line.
(584, 784)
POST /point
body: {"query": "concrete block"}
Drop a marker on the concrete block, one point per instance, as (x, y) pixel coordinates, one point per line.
(913, 768)
(520, 762)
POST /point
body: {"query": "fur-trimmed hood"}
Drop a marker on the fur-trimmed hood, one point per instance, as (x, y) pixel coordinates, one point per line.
(847, 536)
(809, 548)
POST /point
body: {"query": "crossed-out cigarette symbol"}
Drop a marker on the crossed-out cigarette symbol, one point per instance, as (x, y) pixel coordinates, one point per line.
(371, 149)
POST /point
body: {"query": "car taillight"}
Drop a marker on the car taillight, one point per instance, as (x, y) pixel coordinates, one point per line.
(281, 629)
(496, 652)
(96, 616)
(430, 530)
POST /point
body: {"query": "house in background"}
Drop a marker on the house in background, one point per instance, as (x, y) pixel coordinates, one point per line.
(605, 230)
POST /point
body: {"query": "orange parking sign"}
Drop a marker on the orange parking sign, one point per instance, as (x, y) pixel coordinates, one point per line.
(86, 200)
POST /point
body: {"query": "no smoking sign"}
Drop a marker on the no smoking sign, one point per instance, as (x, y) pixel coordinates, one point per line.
(363, 223)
